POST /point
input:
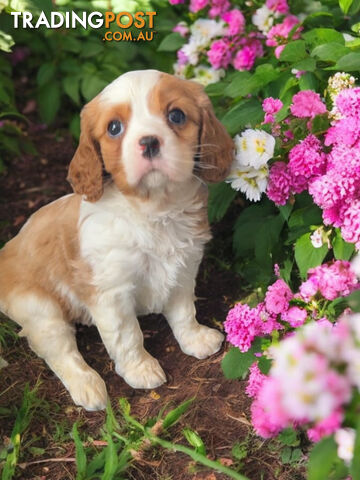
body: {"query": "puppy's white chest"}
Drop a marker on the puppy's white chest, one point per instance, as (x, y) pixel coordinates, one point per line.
(139, 256)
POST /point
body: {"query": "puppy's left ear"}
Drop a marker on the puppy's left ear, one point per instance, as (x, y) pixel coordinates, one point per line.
(215, 144)
(85, 170)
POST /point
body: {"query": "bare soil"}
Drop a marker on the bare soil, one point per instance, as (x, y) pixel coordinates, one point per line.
(220, 412)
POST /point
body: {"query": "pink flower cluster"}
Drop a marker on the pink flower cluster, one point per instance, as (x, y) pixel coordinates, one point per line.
(306, 161)
(271, 106)
(310, 382)
(235, 46)
(328, 281)
(337, 190)
(278, 35)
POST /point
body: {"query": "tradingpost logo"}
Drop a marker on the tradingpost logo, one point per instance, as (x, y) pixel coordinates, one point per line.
(141, 23)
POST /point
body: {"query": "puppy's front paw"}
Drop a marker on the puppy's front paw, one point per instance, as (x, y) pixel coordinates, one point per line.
(201, 342)
(88, 390)
(145, 374)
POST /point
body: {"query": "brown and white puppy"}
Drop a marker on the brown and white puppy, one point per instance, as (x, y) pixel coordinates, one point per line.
(108, 253)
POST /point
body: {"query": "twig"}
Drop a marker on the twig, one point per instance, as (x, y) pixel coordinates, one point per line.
(64, 459)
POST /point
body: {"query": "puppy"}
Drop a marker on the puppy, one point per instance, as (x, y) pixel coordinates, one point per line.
(130, 246)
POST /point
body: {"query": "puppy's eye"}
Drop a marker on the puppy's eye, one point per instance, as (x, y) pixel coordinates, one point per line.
(115, 128)
(177, 116)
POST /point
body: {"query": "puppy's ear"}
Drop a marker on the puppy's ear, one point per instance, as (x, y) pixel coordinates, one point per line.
(216, 147)
(85, 170)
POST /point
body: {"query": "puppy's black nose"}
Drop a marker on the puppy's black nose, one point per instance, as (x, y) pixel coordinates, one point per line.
(150, 146)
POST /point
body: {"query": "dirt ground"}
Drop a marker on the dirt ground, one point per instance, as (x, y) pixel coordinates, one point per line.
(220, 412)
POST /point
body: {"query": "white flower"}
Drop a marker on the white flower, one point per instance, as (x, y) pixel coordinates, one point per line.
(254, 148)
(192, 50)
(203, 31)
(250, 181)
(263, 19)
(345, 439)
(317, 238)
(206, 75)
(179, 70)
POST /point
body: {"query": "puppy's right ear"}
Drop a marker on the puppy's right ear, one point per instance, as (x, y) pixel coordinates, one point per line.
(85, 170)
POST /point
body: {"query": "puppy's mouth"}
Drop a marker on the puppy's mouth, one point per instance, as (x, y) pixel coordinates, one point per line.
(153, 180)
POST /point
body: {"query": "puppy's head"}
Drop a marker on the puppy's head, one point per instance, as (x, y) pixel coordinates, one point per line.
(148, 129)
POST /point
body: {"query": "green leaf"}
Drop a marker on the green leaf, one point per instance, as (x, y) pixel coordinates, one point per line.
(91, 49)
(6, 42)
(48, 99)
(236, 364)
(80, 454)
(264, 365)
(308, 81)
(307, 256)
(342, 250)
(305, 216)
(345, 5)
(285, 455)
(45, 73)
(111, 459)
(349, 63)
(355, 464)
(308, 64)
(171, 43)
(330, 52)
(289, 437)
(173, 416)
(293, 51)
(322, 459)
(268, 236)
(220, 197)
(71, 86)
(318, 36)
(247, 112)
(91, 85)
(247, 226)
(320, 124)
(244, 83)
(195, 440)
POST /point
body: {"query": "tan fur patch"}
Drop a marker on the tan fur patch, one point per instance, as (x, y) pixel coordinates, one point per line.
(48, 258)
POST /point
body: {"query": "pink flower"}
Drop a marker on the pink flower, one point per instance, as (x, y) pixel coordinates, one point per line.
(242, 325)
(332, 280)
(181, 28)
(218, 7)
(278, 34)
(296, 316)
(219, 54)
(255, 381)
(182, 57)
(236, 21)
(307, 104)
(277, 297)
(197, 5)
(346, 132)
(309, 288)
(348, 102)
(244, 59)
(307, 158)
(326, 427)
(267, 414)
(279, 6)
(350, 229)
(176, 2)
(279, 186)
(271, 106)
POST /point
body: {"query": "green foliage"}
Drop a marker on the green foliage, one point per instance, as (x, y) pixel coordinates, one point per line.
(322, 459)
(24, 416)
(236, 364)
(126, 440)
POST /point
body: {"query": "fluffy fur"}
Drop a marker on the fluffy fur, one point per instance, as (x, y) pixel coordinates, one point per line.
(128, 246)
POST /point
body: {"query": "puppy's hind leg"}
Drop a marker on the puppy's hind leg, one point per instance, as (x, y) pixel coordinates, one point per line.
(53, 339)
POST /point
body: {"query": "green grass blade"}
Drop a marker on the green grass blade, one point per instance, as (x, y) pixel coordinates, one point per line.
(80, 454)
